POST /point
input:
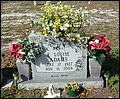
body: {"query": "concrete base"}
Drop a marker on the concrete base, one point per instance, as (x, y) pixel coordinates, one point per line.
(86, 83)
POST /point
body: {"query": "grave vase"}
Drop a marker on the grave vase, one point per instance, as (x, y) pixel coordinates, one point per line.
(72, 93)
(24, 69)
(95, 67)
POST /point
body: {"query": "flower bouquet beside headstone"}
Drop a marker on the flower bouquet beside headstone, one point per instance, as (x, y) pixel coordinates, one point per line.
(58, 20)
(99, 47)
(25, 50)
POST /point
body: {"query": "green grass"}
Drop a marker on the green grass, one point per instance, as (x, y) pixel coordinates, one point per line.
(22, 93)
(115, 53)
(30, 3)
(6, 40)
(114, 79)
(114, 82)
(113, 67)
(4, 93)
(17, 29)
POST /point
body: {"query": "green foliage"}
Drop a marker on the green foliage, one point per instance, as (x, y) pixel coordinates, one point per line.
(28, 4)
(3, 93)
(92, 52)
(6, 40)
(72, 86)
(101, 57)
(100, 54)
(106, 65)
(17, 30)
(114, 82)
(31, 50)
(115, 53)
(21, 90)
(11, 92)
(61, 20)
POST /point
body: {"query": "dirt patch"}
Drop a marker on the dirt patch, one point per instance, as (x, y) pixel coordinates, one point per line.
(105, 19)
(103, 93)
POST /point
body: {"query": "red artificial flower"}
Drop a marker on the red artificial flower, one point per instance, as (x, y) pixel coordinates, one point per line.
(94, 44)
(15, 50)
(101, 43)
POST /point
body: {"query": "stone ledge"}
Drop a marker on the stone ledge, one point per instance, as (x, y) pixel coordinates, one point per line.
(86, 83)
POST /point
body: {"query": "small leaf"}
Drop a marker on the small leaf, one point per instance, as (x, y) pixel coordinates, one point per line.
(101, 57)
(92, 52)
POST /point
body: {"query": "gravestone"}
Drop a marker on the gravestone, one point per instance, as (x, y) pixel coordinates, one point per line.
(60, 61)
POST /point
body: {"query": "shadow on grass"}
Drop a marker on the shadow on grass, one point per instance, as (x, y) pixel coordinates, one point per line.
(7, 74)
(112, 66)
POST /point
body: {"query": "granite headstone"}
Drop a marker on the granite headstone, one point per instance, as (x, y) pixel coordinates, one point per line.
(60, 61)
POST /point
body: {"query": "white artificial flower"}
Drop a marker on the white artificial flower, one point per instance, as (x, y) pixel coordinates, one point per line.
(73, 38)
(90, 42)
(97, 41)
(63, 28)
(51, 23)
(65, 16)
(55, 7)
(78, 11)
(86, 12)
(47, 28)
(59, 2)
(20, 51)
(78, 35)
(65, 6)
(73, 6)
(54, 30)
(66, 25)
(47, 2)
(89, 2)
(83, 16)
(80, 8)
(33, 31)
(76, 24)
(85, 7)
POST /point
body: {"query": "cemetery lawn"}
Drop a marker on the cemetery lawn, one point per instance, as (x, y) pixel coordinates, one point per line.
(13, 26)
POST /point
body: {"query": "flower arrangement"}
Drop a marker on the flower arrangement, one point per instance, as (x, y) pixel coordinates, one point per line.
(72, 86)
(25, 50)
(61, 21)
(99, 47)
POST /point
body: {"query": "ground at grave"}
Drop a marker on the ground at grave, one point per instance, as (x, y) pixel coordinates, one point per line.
(40, 93)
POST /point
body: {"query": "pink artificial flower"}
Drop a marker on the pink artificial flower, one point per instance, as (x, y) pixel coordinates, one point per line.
(100, 43)
(15, 50)
(93, 45)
